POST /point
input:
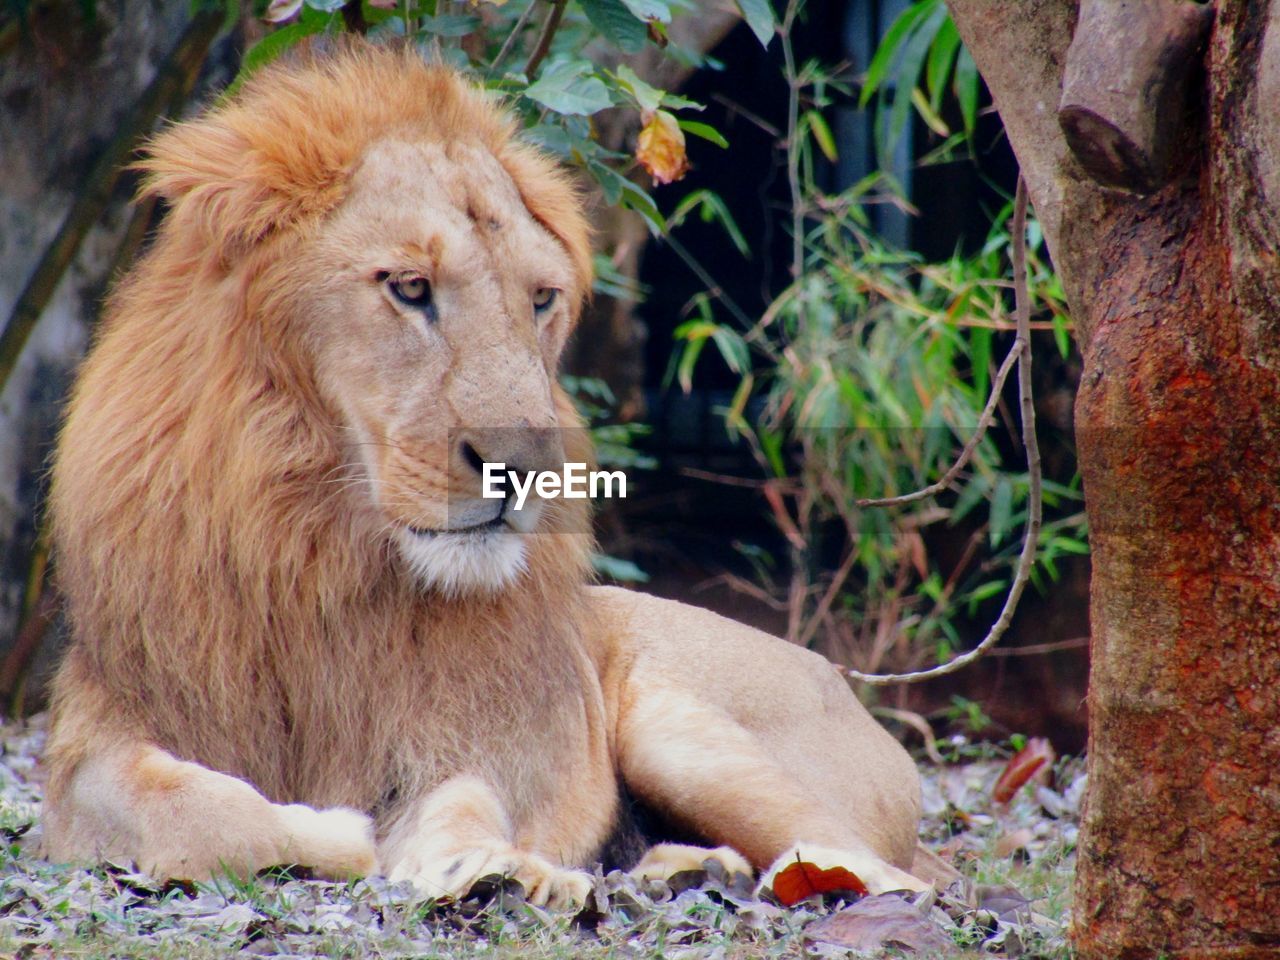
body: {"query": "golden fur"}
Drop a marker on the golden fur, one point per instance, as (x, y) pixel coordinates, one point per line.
(258, 672)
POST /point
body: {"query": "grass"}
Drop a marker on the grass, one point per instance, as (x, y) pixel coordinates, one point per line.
(48, 910)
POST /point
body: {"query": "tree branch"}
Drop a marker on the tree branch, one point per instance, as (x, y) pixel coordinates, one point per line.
(543, 46)
(984, 422)
(1031, 535)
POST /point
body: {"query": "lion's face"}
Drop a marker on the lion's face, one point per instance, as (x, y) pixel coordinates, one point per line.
(434, 308)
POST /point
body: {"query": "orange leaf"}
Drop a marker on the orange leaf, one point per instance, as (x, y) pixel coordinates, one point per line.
(661, 148)
(801, 879)
(1036, 756)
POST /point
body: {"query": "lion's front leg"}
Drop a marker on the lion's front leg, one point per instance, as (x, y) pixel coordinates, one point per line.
(183, 821)
(460, 833)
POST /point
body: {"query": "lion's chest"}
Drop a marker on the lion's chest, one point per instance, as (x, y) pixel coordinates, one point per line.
(524, 712)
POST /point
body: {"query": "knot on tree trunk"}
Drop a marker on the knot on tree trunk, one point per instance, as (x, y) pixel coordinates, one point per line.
(1124, 101)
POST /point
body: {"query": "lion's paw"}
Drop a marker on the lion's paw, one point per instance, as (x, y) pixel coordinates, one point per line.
(878, 875)
(335, 843)
(544, 883)
(665, 860)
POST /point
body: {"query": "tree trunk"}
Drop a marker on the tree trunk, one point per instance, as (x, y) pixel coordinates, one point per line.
(1177, 302)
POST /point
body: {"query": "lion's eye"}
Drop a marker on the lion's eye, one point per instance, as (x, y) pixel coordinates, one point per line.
(543, 298)
(412, 292)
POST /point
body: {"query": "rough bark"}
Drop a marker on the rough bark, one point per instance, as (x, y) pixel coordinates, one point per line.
(1177, 298)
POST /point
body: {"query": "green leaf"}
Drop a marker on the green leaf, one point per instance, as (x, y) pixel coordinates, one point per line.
(908, 73)
(647, 97)
(617, 24)
(624, 571)
(967, 89)
(646, 10)
(326, 6)
(942, 56)
(705, 131)
(277, 42)
(689, 360)
(760, 18)
(1001, 509)
(822, 134)
(449, 25)
(733, 349)
(569, 87)
(637, 199)
(712, 208)
(1060, 335)
(885, 54)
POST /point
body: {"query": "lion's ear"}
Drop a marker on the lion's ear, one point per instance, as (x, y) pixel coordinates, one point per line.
(233, 188)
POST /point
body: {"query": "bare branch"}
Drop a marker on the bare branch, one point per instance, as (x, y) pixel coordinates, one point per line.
(516, 30)
(543, 46)
(984, 422)
(1031, 535)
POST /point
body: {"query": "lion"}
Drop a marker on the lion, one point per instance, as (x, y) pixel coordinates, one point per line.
(301, 636)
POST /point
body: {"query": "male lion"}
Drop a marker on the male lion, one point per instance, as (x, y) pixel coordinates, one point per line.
(300, 633)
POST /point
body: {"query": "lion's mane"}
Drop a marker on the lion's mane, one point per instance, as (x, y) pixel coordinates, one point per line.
(224, 603)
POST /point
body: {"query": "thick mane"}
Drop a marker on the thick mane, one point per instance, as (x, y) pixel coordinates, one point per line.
(224, 600)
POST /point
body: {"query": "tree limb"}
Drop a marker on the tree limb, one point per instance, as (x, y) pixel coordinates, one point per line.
(543, 46)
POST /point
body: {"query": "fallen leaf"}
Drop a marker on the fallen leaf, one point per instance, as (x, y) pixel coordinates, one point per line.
(1035, 757)
(1010, 843)
(799, 880)
(1004, 900)
(660, 148)
(875, 922)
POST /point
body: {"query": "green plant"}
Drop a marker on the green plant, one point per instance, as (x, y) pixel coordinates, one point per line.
(546, 59)
(872, 369)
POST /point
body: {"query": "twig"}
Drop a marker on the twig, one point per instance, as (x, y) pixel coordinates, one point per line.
(543, 46)
(516, 30)
(917, 723)
(829, 596)
(1031, 536)
(1038, 649)
(984, 422)
(100, 182)
(793, 145)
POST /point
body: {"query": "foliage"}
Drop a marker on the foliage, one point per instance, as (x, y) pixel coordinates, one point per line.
(922, 44)
(614, 447)
(550, 69)
(871, 370)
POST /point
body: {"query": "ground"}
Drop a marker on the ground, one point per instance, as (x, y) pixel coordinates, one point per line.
(1017, 860)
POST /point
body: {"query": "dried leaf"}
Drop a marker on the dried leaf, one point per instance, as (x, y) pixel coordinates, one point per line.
(1004, 900)
(1010, 843)
(1036, 757)
(874, 922)
(800, 880)
(660, 148)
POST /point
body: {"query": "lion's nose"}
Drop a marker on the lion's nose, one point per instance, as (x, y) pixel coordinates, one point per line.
(523, 450)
